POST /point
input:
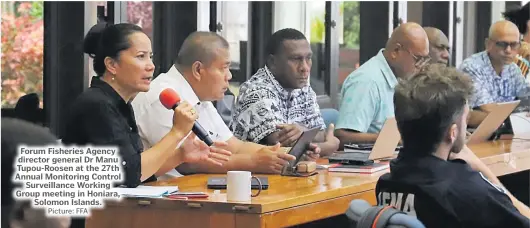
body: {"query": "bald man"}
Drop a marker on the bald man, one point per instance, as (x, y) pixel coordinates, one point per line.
(200, 75)
(495, 76)
(367, 93)
(438, 46)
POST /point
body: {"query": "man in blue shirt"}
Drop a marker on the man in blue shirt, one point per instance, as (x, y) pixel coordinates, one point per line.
(366, 96)
(496, 77)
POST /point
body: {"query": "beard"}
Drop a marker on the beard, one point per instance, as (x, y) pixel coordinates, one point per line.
(458, 145)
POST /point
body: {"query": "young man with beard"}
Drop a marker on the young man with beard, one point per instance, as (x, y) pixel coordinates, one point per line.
(435, 176)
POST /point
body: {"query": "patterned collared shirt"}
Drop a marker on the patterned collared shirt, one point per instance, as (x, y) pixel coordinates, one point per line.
(490, 87)
(263, 103)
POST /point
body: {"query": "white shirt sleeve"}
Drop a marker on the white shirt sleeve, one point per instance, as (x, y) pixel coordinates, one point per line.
(155, 124)
(224, 133)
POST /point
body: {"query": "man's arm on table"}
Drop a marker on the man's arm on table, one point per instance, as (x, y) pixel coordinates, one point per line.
(246, 156)
(523, 209)
(327, 141)
(469, 156)
(324, 139)
(357, 111)
(351, 136)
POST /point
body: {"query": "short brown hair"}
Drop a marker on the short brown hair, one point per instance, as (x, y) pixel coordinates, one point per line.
(427, 104)
(200, 46)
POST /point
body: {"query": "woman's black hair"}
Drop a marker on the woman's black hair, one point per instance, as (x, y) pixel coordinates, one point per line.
(519, 17)
(106, 40)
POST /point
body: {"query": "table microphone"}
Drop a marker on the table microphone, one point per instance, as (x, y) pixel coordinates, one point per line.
(170, 99)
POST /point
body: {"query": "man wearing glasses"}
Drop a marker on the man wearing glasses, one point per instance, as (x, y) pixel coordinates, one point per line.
(367, 93)
(495, 76)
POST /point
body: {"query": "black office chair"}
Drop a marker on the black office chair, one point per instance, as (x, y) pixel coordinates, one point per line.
(363, 215)
(27, 108)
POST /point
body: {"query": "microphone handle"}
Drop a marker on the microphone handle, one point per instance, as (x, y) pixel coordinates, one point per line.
(198, 130)
(202, 134)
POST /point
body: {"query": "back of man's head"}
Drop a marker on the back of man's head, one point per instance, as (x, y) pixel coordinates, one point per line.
(17, 132)
(428, 104)
(275, 42)
(200, 46)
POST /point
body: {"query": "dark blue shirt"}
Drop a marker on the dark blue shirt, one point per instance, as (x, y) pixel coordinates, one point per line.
(446, 194)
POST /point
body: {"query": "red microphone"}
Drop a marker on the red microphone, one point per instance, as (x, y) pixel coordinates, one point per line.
(170, 99)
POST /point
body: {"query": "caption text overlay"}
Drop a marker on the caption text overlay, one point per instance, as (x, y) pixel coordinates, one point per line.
(67, 181)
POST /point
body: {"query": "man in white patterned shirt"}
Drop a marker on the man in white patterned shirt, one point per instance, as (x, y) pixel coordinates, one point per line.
(277, 104)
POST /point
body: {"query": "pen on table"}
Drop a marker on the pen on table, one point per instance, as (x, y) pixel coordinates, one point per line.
(179, 197)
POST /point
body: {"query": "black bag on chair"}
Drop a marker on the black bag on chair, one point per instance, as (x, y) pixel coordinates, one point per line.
(225, 106)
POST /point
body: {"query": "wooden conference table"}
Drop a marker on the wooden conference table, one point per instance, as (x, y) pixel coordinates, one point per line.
(289, 201)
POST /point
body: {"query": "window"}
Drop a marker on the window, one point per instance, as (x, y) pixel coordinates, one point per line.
(234, 20)
(141, 14)
(232, 17)
(349, 27)
(22, 51)
(316, 12)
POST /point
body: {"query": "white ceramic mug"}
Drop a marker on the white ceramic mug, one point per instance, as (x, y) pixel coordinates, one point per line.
(238, 186)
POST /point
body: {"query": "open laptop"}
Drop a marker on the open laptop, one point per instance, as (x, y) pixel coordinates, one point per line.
(384, 146)
(492, 122)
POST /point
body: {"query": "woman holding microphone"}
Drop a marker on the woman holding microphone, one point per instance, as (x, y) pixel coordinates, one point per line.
(102, 115)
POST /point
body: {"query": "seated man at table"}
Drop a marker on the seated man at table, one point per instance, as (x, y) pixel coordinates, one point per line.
(200, 75)
(496, 77)
(435, 176)
(366, 96)
(439, 49)
(277, 104)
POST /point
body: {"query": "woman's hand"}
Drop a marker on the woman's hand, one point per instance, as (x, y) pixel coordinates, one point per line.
(184, 117)
(194, 150)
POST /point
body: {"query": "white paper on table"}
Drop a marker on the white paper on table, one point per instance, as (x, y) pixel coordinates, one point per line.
(520, 124)
(147, 191)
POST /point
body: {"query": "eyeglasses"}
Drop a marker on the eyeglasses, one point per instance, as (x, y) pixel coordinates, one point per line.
(419, 61)
(503, 44)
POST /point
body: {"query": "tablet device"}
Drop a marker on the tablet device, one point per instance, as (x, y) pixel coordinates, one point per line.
(220, 183)
(301, 144)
